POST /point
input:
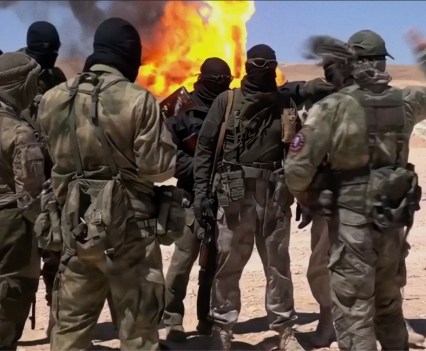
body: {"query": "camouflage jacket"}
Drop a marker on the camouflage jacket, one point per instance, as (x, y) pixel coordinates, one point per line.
(21, 161)
(336, 126)
(142, 146)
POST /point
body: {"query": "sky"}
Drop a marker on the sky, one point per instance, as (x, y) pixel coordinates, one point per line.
(284, 25)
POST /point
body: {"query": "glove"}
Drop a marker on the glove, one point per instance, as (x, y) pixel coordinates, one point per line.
(318, 87)
(203, 208)
(303, 215)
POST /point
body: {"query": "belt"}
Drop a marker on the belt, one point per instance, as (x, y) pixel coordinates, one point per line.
(270, 166)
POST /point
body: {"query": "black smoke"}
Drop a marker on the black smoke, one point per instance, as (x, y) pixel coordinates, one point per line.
(77, 30)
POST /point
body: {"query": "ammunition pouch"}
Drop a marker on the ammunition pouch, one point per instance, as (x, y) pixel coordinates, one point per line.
(394, 196)
(47, 226)
(229, 181)
(230, 187)
(171, 218)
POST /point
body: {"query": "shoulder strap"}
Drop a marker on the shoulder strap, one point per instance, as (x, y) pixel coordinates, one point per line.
(106, 147)
(221, 137)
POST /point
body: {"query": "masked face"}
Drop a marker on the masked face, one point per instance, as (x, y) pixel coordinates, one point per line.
(261, 74)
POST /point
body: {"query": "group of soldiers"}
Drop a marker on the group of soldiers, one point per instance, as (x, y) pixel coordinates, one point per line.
(79, 160)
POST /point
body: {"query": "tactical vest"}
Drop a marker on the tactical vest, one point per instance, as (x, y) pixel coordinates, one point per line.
(393, 194)
(385, 121)
(236, 151)
(256, 162)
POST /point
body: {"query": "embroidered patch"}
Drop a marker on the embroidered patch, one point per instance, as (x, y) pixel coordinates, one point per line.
(297, 143)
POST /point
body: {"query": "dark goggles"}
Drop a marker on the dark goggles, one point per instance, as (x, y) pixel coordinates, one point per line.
(218, 78)
(262, 63)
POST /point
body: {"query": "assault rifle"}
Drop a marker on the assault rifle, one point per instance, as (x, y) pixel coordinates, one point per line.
(32, 318)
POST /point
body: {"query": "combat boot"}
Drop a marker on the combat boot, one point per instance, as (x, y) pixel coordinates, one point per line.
(204, 327)
(414, 338)
(175, 333)
(221, 339)
(287, 341)
(325, 334)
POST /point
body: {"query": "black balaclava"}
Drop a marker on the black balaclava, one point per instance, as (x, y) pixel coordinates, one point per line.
(215, 77)
(260, 79)
(43, 43)
(117, 43)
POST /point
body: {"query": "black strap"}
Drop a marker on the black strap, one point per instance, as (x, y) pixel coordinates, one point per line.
(106, 147)
(221, 138)
(73, 132)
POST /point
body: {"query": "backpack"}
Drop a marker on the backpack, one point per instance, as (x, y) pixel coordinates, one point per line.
(96, 212)
(393, 191)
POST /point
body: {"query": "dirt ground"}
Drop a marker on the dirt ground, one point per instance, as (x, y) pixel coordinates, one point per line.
(251, 333)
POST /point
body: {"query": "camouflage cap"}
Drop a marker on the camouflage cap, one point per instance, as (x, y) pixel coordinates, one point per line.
(367, 43)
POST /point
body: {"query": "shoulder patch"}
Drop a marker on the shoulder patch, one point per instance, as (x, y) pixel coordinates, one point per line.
(298, 142)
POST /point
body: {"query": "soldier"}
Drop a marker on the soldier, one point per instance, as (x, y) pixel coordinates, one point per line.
(364, 129)
(21, 163)
(107, 139)
(254, 204)
(42, 45)
(214, 78)
(305, 94)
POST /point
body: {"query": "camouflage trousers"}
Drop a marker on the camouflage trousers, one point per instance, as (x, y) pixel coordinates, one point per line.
(365, 270)
(186, 252)
(135, 278)
(19, 275)
(254, 218)
(317, 274)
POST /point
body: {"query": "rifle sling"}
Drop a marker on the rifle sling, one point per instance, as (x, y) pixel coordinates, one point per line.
(221, 137)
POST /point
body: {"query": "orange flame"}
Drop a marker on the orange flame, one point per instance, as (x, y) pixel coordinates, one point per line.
(188, 33)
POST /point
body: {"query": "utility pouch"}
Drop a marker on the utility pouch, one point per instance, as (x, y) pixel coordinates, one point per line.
(47, 226)
(236, 185)
(171, 218)
(230, 187)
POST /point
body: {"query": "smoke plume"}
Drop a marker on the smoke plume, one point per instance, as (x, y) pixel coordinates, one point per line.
(76, 31)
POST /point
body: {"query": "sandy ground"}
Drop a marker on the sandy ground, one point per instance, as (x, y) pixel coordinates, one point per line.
(251, 333)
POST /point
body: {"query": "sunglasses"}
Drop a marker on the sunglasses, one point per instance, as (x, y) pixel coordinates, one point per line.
(262, 63)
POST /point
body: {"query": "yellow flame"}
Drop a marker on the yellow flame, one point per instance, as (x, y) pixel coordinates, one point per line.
(190, 32)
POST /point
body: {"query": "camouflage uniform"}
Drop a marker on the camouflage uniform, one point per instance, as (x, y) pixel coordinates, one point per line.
(21, 164)
(144, 153)
(364, 264)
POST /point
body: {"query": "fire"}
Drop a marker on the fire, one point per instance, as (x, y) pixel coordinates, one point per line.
(187, 34)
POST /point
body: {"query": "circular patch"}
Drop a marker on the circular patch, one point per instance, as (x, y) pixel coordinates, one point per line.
(297, 143)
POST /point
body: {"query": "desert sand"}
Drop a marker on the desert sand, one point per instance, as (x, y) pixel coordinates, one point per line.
(251, 333)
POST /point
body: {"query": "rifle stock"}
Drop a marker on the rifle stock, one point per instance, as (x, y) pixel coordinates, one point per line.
(209, 219)
(190, 144)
